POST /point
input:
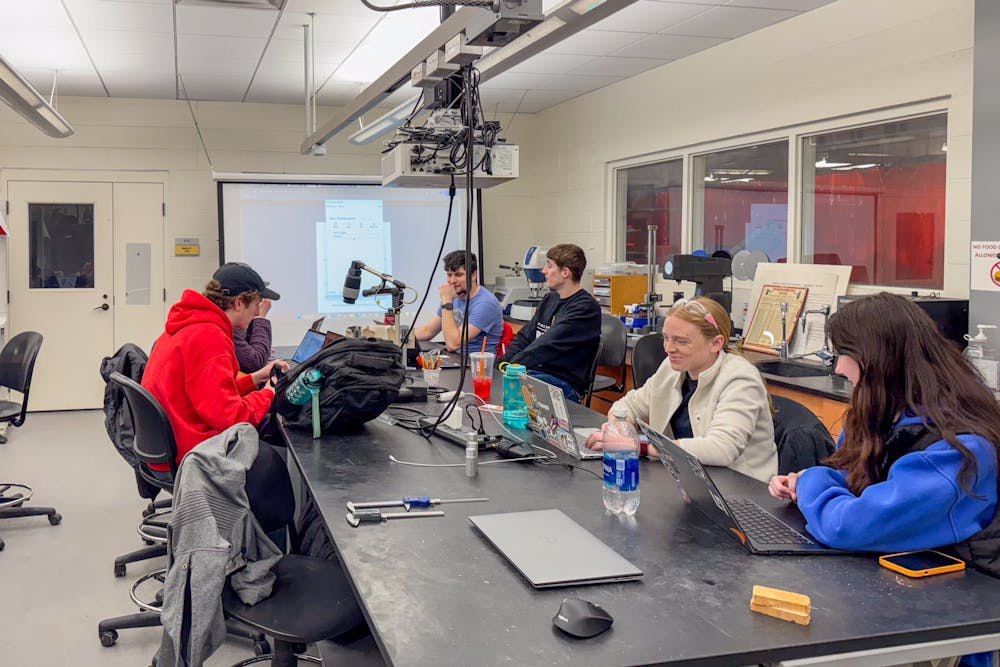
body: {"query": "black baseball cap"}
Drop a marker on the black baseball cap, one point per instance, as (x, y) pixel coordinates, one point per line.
(237, 278)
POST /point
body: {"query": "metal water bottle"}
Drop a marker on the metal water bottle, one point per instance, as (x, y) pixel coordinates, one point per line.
(306, 387)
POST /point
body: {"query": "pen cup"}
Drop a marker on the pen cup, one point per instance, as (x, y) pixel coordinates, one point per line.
(432, 376)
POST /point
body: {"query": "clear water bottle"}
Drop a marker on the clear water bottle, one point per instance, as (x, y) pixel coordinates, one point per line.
(621, 464)
(515, 412)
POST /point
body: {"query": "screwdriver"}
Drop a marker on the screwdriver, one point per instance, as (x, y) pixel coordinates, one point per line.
(412, 501)
(358, 517)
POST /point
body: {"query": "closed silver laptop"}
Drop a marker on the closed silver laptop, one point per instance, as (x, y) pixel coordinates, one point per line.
(550, 549)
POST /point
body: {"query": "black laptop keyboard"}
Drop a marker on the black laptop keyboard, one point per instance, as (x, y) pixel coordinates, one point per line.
(762, 527)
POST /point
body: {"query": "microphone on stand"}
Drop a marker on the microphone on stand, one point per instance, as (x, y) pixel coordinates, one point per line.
(353, 281)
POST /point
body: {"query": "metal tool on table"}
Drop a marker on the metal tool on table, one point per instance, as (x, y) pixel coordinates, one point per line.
(373, 515)
(411, 501)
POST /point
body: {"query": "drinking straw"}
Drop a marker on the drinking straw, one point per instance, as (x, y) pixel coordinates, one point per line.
(482, 360)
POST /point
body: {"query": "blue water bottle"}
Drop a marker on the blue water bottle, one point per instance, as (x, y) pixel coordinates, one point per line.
(515, 412)
(306, 387)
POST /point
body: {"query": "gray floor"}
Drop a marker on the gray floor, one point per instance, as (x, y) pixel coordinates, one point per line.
(57, 582)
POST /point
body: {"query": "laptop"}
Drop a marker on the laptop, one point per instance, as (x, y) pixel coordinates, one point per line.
(549, 549)
(549, 418)
(774, 529)
(311, 343)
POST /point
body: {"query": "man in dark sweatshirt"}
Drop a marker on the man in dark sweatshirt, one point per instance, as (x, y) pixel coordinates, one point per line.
(558, 346)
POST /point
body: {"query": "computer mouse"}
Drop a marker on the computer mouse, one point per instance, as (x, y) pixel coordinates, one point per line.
(581, 618)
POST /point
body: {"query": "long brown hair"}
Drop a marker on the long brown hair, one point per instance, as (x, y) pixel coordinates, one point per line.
(907, 366)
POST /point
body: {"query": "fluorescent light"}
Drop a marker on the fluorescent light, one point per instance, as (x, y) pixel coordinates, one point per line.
(385, 124)
(22, 97)
(584, 6)
(823, 164)
(392, 37)
(855, 166)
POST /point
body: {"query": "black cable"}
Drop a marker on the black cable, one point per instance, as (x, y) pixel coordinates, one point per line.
(571, 466)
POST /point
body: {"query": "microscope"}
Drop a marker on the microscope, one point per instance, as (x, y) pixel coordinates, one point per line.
(705, 272)
(520, 302)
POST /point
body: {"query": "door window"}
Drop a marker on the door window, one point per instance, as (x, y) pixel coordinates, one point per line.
(61, 246)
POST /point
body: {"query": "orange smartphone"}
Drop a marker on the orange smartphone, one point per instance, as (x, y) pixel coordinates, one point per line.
(921, 563)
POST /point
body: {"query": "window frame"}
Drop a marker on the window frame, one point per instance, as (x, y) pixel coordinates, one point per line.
(794, 134)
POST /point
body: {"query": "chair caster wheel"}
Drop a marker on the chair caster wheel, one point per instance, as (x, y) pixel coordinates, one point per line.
(55, 519)
(108, 638)
(261, 648)
(119, 570)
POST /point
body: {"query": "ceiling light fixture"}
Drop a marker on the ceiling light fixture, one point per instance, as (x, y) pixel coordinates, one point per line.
(823, 164)
(22, 97)
(385, 123)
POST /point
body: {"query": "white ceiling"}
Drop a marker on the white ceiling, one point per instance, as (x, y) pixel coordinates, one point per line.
(144, 48)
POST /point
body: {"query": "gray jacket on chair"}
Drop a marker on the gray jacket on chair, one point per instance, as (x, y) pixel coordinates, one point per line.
(212, 535)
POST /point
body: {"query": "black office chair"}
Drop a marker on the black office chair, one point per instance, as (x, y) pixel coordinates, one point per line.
(153, 444)
(802, 439)
(17, 364)
(130, 360)
(311, 601)
(647, 355)
(614, 345)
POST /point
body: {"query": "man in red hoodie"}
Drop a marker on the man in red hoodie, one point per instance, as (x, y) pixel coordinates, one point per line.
(193, 373)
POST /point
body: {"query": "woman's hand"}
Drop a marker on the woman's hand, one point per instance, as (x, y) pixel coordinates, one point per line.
(782, 487)
(595, 440)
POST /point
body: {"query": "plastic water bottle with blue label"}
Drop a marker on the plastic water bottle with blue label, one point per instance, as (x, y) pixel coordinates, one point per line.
(621, 464)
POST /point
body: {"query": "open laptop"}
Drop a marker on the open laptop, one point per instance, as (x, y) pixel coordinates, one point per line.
(771, 530)
(549, 549)
(311, 343)
(549, 418)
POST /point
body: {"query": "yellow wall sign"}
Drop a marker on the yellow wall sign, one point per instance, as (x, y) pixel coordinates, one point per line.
(187, 246)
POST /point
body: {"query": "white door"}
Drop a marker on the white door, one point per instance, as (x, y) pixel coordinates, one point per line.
(70, 279)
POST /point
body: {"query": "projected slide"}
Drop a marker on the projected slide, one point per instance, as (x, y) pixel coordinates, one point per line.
(302, 239)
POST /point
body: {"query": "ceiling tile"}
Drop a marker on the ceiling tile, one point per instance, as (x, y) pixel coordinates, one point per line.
(43, 48)
(649, 16)
(211, 87)
(667, 47)
(140, 85)
(129, 43)
(225, 67)
(234, 22)
(36, 14)
(614, 66)
(341, 7)
(71, 82)
(551, 63)
(276, 71)
(794, 5)
(111, 15)
(560, 82)
(533, 101)
(337, 93)
(327, 27)
(133, 63)
(729, 22)
(207, 46)
(595, 42)
(290, 50)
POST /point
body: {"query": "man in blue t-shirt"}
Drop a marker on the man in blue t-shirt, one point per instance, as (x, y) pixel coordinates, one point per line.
(485, 313)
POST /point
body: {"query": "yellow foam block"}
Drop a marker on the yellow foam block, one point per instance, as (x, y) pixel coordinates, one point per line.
(773, 597)
(784, 614)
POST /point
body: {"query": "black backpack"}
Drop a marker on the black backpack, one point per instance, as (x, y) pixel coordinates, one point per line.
(360, 379)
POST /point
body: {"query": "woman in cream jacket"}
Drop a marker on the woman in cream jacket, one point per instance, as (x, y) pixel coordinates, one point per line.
(712, 402)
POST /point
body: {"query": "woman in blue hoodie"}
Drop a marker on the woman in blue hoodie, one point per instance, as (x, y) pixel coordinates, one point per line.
(916, 465)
